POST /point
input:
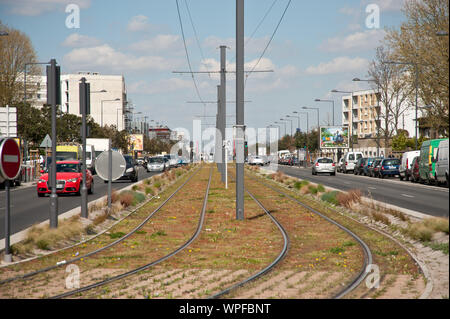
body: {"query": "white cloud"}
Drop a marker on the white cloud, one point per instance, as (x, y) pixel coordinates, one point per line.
(139, 23)
(358, 41)
(79, 40)
(104, 57)
(338, 65)
(37, 7)
(162, 42)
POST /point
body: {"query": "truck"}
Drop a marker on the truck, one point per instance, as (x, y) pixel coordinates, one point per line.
(100, 145)
(66, 152)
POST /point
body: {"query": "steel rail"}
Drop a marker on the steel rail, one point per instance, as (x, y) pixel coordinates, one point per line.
(144, 267)
(271, 265)
(368, 259)
(39, 271)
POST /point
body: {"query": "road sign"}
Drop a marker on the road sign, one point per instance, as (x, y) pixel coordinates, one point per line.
(118, 165)
(9, 158)
(47, 142)
(8, 121)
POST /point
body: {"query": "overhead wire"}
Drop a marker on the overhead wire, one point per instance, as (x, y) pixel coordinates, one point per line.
(268, 43)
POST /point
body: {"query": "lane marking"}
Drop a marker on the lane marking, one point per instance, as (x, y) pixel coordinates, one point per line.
(370, 187)
(406, 195)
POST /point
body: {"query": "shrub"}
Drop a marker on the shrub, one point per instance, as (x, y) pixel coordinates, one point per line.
(380, 217)
(298, 185)
(149, 190)
(437, 224)
(43, 244)
(157, 184)
(330, 197)
(304, 190)
(346, 199)
(126, 199)
(320, 188)
(420, 232)
(312, 189)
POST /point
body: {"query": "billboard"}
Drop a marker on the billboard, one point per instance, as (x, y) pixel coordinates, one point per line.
(136, 142)
(334, 137)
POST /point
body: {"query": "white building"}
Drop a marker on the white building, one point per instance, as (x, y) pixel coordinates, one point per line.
(107, 108)
(361, 111)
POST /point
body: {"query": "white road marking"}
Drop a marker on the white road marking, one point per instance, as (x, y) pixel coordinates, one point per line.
(372, 187)
(406, 195)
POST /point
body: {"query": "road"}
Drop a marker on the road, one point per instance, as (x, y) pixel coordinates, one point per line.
(28, 209)
(430, 200)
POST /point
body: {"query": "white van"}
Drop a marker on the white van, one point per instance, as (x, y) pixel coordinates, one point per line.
(350, 160)
(441, 163)
(405, 165)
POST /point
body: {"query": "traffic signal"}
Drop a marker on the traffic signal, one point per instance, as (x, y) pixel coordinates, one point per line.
(245, 144)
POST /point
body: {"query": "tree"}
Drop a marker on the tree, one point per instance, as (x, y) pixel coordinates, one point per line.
(393, 95)
(16, 49)
(416, 41)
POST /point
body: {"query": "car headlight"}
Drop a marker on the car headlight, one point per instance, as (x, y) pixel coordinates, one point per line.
(130, 170)
(72, 180)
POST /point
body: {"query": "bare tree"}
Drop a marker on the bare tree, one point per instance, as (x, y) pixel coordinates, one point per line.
(416, 41)
(391, 82)
(16, 49)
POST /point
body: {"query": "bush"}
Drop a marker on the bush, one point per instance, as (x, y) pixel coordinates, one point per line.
(380, 217)
(320, 188)
(437, 224)
(330, 197)
(312, 189)
(157, 184)
(126, 199)
(420, 232)
(43, 244)
(346, 199)
(298, 185)
(149, 190)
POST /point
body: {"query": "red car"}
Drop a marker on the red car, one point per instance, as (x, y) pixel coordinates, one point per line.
(68, 179)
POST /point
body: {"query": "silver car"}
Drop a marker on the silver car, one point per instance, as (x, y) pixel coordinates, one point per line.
(324, 165)
(156, 164)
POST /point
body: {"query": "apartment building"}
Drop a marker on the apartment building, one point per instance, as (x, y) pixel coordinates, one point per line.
(364, 115)
(108, 96)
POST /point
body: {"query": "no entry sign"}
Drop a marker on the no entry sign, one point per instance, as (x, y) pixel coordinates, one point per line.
(9, 158)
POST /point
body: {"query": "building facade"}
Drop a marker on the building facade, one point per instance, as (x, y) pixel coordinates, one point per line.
(364, 114)
(108, 96)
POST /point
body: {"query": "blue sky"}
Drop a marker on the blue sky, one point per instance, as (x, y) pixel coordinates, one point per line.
(320, 46)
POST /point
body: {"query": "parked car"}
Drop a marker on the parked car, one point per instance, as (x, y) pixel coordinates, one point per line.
(68, 179)
(405, 166)
(131, 170)
(156, 164)
(367, 165)
(350, 160)
(373, 169)
(441, 163)
(427, 164)
(340, 164)
(389, 167)
(415, 176)
(359, 166)
(324, 165)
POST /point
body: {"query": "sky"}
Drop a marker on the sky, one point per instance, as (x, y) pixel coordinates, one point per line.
(319, 46)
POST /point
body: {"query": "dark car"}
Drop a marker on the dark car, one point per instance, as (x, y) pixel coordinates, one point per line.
(414, 173)
(389, 167)
(367, 165)
(131, 170)
(359, 166)
(373, 169)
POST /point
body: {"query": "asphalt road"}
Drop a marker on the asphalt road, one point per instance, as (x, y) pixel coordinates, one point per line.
(430, 200)
(28, 209)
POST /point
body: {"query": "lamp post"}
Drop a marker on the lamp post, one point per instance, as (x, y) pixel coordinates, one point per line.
(284, 126)
(417, 91)
(351, 111)
(289, 121)
(318, 122)
(298, 120)
(101, 122)
(332, 101)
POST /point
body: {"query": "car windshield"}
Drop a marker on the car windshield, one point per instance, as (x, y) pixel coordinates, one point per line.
(358, 156)
(325, 160)
(156, 160)
(391, 162)
(61, 156)
(67, 168)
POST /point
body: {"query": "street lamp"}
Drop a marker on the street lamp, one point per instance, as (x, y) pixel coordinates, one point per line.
(101, 123)
(298, 120)
(417, 91)
(332, 101)
(318, 122)
(350, 127)
(288, 120)
(284, 126)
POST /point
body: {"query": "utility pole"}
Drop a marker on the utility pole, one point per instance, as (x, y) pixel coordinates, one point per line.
(218, 146)
(53, 99)
(240, 128)
(84, 89)
(223, 107)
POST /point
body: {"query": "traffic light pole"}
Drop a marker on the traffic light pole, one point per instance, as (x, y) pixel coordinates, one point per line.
(84, 89)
